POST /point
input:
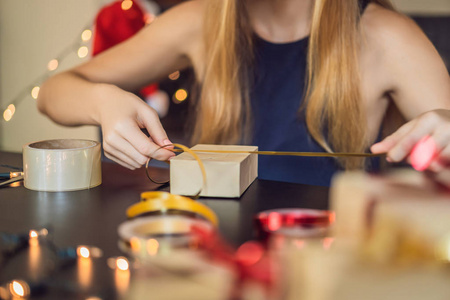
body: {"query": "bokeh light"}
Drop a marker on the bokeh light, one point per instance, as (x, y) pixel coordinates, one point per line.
(7, 115)
(180, 95)
(127, 4)
(122, 263)
(35, 92)
(86, 35)
(19, 288)
(33, 234)
(52, 65)
(175, 75)
(12, 108)
(83, 51)
(83, 252)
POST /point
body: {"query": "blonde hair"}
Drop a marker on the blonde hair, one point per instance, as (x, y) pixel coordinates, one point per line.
(332, 98)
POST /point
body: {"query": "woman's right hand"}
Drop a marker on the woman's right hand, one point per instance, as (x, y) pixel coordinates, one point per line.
(122, 115)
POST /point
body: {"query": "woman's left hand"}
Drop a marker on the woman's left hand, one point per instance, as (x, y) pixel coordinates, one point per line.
(435, 125)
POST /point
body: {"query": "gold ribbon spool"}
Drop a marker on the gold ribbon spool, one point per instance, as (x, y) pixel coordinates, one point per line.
(144, 236)
(163, 202)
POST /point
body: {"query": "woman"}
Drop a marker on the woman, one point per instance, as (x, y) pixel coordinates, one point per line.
(303, 75)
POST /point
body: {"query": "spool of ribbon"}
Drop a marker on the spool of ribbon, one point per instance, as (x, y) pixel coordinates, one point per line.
(62, 165)
(163, 221)
(146, 236)
(293, 222)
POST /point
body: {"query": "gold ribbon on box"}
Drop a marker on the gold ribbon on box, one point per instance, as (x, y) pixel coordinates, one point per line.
(270, 153)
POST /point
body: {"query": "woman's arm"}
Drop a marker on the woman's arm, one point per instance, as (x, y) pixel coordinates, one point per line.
(420, 87)
(99, 91)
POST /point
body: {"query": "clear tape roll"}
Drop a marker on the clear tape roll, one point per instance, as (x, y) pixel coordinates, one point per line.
(62, 165)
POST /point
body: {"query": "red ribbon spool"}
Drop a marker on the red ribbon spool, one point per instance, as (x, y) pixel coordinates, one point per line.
(292, 221)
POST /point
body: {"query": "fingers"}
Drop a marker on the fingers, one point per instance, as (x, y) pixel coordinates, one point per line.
(406, 143)
(127, 145)
(150, 120)
(121, 150)
(120, 162)
(389, 142)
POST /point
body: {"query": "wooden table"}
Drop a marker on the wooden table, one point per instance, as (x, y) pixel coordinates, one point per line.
(91, 217)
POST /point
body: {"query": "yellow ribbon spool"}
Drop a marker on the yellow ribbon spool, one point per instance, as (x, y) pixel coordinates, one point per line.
(163, 202)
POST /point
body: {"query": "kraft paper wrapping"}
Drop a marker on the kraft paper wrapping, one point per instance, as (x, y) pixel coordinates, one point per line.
(62, 165)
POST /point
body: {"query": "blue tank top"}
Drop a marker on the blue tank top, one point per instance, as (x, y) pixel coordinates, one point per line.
(276, 96)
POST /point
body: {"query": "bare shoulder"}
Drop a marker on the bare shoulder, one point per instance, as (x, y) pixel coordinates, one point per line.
(189, 14)
(403, 61)
(393, 31)
(183, 22)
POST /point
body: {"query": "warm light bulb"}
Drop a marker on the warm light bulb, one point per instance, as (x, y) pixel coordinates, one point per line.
(52, 65)
(127, 4)
(7, 115)
(122, 263)
(89, 252)
(19, 288)
(83, 51)
(35, 92)
(86, 35)
(83, 252)
(33, 234)
(12, 108)
(181, 95)
(175, 75)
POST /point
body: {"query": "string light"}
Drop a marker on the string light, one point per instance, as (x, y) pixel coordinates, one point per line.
(119, 263)
(19, 288)
(12, 108)
(35, 92)
(52, 65)
(122, 263)
(86, 35)
(180, 95)
(89, 252)
(83, 51)
(83, 252)
(126, 4)
(7, 115)
(34, 234)
(175, 75)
